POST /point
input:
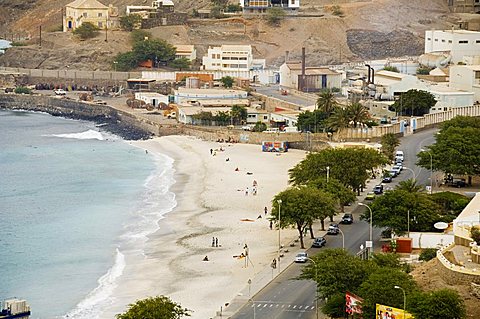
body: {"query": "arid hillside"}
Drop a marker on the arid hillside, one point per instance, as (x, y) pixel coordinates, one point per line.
(365, 30)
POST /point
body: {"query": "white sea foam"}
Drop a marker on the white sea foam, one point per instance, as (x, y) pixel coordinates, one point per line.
(87, 135)
(100, 297)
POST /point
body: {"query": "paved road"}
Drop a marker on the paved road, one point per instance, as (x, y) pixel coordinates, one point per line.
(275, 92)
(287, 298)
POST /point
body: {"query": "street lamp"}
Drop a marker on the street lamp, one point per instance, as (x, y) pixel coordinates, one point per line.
(316, 288)
(431, 168)
(343, 238)
(371, 224)
(328, 173)
(404, 299)
(253, 304)
(411, 170)
(279, 224)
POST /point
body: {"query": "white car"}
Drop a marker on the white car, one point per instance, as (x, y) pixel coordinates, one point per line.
(301, 257)
(60, 92)
(247, 127)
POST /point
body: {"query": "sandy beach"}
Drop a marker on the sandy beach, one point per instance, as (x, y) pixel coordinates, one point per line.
(211, 203)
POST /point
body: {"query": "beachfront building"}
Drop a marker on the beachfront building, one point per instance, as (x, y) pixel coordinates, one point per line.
(460, 45)
(261, 6)
(255, 115)
(186, 51)
(186, 95)
(316, 78)
(152, 98)
(285, 118)
(231, 58)
(93, 11)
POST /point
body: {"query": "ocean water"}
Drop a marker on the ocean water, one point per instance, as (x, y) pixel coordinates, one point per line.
(73, 200)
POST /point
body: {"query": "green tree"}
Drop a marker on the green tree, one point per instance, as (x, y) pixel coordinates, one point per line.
(410, 186)
(227, 81)
(86, 31)
(259, 127)
(130, 22)
(181, 64)
(443, 303)
(22, 90)
(337, 272)
(312, 121)
(428, 254)
(342, 194)
(139, 36)
(391, 69)
(334, 307)
(125, 61)
(339, 120)
(475, 234)
(275, 15)
(358, 114)
(414, 103)
(456, 148)
(387, 260)
(380, 288)
(423, 71)
(326, 101)
(155, 50)
(452, 203)
(234, 8)
(154, 308)
(300, 207)
(238, 113)
(389, 142)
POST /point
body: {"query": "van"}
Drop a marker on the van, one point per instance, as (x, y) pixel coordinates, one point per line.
(290, 129)
(399, 155)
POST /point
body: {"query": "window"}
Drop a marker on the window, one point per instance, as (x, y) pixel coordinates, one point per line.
(99, 14)
(443, 40)
(100, 25)
(477, 41)
(293, 2)
(449, 41)
(436, 40)
(85, 14)
(265, 117)
(429, 39)
(463, 42)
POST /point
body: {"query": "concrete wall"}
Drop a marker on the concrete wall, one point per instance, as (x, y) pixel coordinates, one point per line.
(75, 74)
(430, 240)
(453, 274)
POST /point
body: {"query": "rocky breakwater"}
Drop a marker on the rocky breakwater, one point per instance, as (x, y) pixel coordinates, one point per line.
(113, 121)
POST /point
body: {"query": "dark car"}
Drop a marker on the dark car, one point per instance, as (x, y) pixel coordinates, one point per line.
(459, 183)
(333, 229)
(347, 219)
(319, 242)
(378, 189)
(387, 179)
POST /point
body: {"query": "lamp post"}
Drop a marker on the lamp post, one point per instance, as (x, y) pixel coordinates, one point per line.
(316, 289)
(279, 227)
(343, 238)
(411, 170)
(328, 173)
(404, 299)
(431, 168)
(371, 224)
(253, 304)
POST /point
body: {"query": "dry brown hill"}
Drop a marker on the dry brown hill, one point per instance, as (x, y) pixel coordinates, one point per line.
(368, 29)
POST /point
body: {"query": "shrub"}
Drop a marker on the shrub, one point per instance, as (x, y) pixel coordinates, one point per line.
(391, 69)
(86, 31)
(275, 16)
(23, 90)
(423, 71)
(259, 127)
(139, 35)
(227, 81)
(475, 234)
(428, 254)
(337, 11)
(130, 22)
(233, 8)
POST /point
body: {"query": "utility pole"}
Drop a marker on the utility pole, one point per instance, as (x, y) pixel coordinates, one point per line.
(40, 33)
(106, 29)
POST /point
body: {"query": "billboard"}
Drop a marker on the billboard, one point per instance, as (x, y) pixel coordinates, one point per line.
(274, 146)
(386, 312)
(353, 303)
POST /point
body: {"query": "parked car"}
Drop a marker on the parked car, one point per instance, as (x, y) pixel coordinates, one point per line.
(301, 257)
(387, 178)
(393, 173)
(378, 189)
(398, 160)
(333, 229)
(458, 182)
(60, 92)
(396, 169)
(370, 196)
(347, 219)
(400, 155)
(247, 127)
(319, 242)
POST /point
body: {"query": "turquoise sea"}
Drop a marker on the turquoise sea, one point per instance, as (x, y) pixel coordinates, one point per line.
(72, 199)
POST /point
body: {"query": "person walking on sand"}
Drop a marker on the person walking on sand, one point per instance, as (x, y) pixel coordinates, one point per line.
(213, 241)
(211, 151)
(246, 191)
(271, 225)
(216, 242)
(254, 183)
(265, 210)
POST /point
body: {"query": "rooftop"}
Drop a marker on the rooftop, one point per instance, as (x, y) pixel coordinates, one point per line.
(311, 70)
(87, 4)
(181, 48)
(210, 91)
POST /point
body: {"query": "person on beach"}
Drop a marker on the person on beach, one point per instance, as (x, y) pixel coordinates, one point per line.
(271, 225)
(265, 210)
(211, 151)
(213, 241)
(246, 191)
(216, 242)
(254, 183)
(205, 258)
(259, 216)
(236, 169)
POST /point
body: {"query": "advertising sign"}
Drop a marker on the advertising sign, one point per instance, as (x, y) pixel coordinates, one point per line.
(386, 312)
(274, 146)
(353, 303)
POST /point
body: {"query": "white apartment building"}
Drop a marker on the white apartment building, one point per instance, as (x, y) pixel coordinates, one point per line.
(448, 98)
(461, 44)
(466, 78)
(260, 6)
(231, 58)
(186, 51)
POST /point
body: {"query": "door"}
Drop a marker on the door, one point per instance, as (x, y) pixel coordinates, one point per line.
(324, 81)
(69, 24)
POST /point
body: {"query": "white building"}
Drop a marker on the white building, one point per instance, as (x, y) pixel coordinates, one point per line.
(448, 98)
(389, 84)
(317, 78)
(231, 58)
(185, 51)
(461, 44)
(184, 95)
(144, 11)
(261, 6)
(151, 98)
(288, 118)
(257, 115)
(466, 78)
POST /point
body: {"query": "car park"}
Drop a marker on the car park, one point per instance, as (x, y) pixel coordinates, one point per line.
(333, 229)
(301, 257)
(347, 219)
(378, 189)
(319, 242)
(370, 196)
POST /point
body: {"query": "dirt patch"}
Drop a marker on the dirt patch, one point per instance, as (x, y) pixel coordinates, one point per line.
(427, 277)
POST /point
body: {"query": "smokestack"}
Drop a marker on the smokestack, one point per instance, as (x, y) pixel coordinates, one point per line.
(368, 79)
(373, 76)
(303, 70)
(286, 56)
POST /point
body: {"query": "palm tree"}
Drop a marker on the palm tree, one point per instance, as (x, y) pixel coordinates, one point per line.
(358, 113)
(339, 119)
(410, 185)
(326, 101)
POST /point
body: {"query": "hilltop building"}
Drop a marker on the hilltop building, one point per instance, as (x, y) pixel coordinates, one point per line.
(261, 6)
(93, 11)
(461, 45)
(185, 51)
(159, 13)
(464, 6)
(231, 58)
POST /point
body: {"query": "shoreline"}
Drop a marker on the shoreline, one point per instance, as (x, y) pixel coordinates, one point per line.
(210, 203)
